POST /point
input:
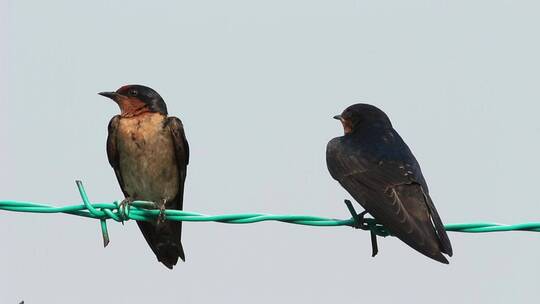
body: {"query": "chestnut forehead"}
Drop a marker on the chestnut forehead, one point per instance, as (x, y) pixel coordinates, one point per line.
(124, 89)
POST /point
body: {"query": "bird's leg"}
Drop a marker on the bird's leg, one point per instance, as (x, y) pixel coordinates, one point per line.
(161, 217)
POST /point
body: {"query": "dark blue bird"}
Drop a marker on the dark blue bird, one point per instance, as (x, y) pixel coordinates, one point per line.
(378, 169)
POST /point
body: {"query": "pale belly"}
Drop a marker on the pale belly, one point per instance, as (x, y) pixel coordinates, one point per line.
(147, 158)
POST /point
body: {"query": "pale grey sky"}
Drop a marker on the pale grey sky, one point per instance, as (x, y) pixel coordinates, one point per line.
(256, 84)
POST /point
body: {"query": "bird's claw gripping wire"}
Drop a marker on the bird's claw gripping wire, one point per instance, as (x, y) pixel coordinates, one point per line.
(123, 209)
(361, 223)
(161, 217)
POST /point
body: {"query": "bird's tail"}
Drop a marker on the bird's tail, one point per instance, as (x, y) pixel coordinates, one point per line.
(164, 240)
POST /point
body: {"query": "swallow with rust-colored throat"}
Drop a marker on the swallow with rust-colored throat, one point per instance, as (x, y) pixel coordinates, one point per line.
(378, 169)
(149, 153)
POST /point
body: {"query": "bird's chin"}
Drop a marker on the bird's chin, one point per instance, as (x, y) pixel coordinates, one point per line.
(347, 126)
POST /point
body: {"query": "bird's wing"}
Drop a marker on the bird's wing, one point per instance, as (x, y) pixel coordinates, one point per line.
(181, 152)
(112, 151)
(391, 191)
(181, 147)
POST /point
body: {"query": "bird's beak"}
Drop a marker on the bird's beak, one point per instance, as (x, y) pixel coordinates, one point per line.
(338, 117)
(111, 95)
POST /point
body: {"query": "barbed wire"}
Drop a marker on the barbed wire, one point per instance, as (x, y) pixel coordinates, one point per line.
(146, 211)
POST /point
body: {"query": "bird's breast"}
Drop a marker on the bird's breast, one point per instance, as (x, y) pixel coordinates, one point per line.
(147, 158)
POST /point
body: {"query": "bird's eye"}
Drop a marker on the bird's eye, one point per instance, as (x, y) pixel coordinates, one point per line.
(133, 92)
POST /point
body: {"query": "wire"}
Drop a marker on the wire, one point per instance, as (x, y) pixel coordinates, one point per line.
(146, 211)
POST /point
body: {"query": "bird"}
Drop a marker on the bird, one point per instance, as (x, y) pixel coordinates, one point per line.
(149, 154)
(377, 168)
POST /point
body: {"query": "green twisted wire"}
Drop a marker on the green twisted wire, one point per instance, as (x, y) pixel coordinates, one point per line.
(144, 211)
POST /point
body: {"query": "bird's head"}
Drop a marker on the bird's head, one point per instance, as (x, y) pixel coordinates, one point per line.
(137, 99)
(362, 115)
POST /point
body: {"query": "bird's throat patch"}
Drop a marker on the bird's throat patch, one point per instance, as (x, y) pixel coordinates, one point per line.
(347, 125)
(131, 107)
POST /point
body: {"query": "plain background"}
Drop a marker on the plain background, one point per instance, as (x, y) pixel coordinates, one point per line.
(256, 84)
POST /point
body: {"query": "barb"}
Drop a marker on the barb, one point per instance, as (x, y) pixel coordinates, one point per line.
(143, 211)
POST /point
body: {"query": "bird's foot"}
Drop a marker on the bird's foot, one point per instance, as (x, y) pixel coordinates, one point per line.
(161, 206)
(123, 208)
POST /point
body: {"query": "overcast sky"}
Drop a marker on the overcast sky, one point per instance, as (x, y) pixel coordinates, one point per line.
(256, 84)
